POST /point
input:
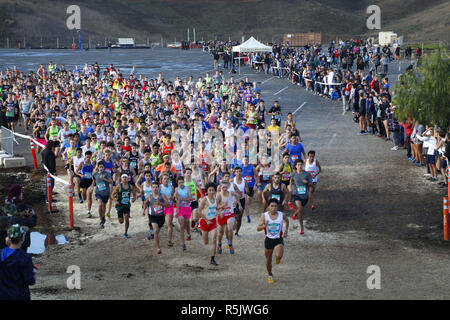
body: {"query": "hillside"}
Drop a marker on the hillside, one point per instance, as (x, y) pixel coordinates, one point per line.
(265, 19)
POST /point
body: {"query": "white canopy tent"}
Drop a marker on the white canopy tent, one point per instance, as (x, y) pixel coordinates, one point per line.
(251, 45)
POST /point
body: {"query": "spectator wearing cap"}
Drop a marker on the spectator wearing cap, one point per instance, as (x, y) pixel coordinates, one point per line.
(16, 267)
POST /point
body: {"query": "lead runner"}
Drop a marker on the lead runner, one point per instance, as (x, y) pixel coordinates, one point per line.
(272, 223)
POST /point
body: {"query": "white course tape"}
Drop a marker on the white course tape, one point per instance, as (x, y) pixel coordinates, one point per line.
(29, 138)
(56, 178)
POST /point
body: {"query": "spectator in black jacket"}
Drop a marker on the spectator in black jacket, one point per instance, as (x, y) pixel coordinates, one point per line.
(16, 267)
(3, 231)
(49, 160)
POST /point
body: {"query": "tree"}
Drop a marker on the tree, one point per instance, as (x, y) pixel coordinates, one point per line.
(424, 93)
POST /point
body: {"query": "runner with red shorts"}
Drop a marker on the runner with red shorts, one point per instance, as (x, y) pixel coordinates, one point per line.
(208, 222)
(226, 201)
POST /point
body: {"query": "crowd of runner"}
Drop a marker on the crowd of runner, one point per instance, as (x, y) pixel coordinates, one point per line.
(194, 150)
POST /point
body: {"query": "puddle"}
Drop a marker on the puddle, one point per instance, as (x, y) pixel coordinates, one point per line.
(39, 242)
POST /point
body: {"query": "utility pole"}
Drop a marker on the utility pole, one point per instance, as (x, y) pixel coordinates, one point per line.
(188, 35)
(194, 34)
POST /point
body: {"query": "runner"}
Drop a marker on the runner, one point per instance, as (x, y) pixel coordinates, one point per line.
(155, 202)
(249, 173)
(272, 223)
(243, 191)
(102, 183)
(301, 181)
(122, 194)
(208, 220)
(226, 201)
(167, 192)
(313, 167)
(183, 199)
(84, 172)
(276, 190)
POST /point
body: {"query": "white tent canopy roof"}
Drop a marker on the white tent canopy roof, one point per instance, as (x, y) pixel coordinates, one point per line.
(252, 45)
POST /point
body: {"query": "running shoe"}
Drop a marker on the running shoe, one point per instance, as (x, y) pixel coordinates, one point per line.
(192, 224)
(270, 279)
(108, 215)
(231, 250)
(361, 133)
(213, 262)
(159, 251)
(170, 244)
(228, 243)
(219, 249)
(188, 238)
(81, 200)
(89, 215)
(394, 148)
(126, 236)
(291, 206)
(312, 207)
(183, 247)
(150, 235)
(302, 231)
(277, 261)
(102, 225)
(248, 219)
(294, 217)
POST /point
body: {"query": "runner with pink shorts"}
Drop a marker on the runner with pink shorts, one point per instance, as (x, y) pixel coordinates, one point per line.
(169, 198)
(183, 197)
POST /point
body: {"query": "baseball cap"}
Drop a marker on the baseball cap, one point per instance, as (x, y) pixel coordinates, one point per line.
(16, 231)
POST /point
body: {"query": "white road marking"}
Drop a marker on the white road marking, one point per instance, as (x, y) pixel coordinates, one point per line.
(299, 108)
(280, 91)
(332, 139)
(268, 79)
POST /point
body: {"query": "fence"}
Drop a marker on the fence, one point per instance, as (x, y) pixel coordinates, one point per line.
(7, 141)
(10, 138)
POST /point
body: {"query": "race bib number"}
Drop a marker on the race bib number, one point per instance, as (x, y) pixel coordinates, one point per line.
(88, 175)
(248, 178)
(276, 196)
(301, 189)
(273, 229)
(266, 177)
(158, 209)
(125, 198)
(211, 213)
(101, 186)
(286, 176)
(294, 157)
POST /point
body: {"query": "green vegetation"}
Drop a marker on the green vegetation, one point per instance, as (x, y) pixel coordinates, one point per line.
(423, 94)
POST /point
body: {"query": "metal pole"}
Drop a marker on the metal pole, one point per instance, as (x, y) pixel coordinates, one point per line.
(41, 43)
(148, 42)
(188, 34)
(7, 43)
(57, 43)
(194, 34)
(24, 42)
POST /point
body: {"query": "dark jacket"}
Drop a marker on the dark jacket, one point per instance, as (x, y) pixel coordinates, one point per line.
(49, 160)
(16, 274)
(3, 235)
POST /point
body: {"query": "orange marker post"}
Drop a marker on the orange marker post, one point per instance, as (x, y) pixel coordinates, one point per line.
(70, 204)
(33, 152)
(49, 192)
(445, 218)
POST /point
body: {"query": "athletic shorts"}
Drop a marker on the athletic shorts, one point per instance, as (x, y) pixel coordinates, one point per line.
(159, 220)
(303, 201)
(251, 192)
(208, 227)
(443, 164)
(236, 209)
(223, 221)
(85, 183)
(270, 244)
(185, 212)
(122, 211)
(42, 141)
(431, 158)
(103, 198)
(169, 210)
(194, 205)
(286, 183)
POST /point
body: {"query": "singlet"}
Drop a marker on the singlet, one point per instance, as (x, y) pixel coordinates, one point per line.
(274, 229)
(191, 185)
(41, 133)
(241, 187)
(124, 196)
(264, 174)
(286, 176)
(228, 210)
(168, 192)
(87, 170)
(147, 190)
(156, 209)
(134, 159)
(276, 193)
(26, 104)
(209, 211)
(53, 133)
(109, 166)
(312, 168)
(178, 167)
(132, 134)
(183, 193)
(248, 175)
